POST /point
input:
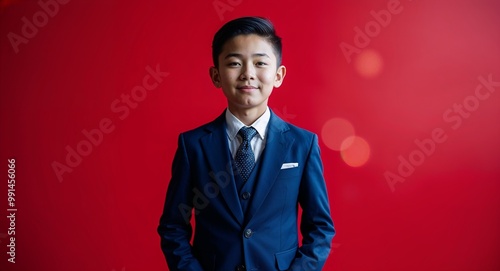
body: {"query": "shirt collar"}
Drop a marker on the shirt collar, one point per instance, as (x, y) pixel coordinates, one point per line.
(234, 124)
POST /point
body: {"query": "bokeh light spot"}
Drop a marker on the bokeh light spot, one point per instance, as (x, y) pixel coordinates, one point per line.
(335, 131)
(369, 63)
(357, 153)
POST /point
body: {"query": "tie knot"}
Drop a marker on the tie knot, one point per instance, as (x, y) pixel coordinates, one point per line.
(247, 133)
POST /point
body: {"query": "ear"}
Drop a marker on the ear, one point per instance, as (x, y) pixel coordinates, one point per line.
(280, 75)
(214, 75)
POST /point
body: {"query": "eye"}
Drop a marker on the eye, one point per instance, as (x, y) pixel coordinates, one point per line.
(233, 64)
(260, 63)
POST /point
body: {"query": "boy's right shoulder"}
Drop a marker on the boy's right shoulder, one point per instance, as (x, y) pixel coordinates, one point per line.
(204, 129)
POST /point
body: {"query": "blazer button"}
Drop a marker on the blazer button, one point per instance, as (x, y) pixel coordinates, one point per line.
(241, 268)
(245, 195)
(248, 233)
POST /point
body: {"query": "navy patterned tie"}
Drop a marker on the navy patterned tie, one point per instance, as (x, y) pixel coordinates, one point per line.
(245, 159)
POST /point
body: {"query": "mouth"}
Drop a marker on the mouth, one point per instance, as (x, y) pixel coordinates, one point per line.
(246, 88)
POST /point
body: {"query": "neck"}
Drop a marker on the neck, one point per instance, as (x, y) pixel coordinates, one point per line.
(248, 116)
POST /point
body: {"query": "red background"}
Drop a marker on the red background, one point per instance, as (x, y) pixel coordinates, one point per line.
(103, 215)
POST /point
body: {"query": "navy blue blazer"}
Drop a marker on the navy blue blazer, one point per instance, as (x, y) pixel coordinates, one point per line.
(265, 237)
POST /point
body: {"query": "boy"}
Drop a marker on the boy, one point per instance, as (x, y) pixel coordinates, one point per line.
(246, 172)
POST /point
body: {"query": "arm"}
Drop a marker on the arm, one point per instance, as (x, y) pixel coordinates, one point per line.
(316, 223)
(175, 228)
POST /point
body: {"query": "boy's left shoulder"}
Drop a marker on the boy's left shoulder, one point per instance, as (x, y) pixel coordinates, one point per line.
(292, 128)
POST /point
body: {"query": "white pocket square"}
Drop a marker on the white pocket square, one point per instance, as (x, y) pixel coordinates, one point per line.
(289, 165)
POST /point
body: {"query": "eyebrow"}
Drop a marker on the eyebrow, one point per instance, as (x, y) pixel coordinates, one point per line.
(240, 55)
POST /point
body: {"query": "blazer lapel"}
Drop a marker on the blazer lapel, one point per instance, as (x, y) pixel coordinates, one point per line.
(278, 144)
(220, 163)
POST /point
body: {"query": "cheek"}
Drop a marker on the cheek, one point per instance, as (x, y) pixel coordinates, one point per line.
(268, 77)
(228, 77)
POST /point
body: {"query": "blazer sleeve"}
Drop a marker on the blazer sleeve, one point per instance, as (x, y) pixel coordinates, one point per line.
(316, 223)
(175, 228)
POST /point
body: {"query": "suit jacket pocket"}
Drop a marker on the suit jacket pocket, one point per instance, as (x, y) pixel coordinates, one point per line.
(285, 258)
(289, 172)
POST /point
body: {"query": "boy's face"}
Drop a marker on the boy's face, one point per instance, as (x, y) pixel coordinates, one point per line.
(247, 72)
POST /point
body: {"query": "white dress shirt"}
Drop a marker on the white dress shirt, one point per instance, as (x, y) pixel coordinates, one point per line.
(258, 142)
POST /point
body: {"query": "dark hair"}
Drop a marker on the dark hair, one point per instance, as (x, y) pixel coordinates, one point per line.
(246, 26)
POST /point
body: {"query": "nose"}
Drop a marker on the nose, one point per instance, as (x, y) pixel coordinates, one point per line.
(247, 72)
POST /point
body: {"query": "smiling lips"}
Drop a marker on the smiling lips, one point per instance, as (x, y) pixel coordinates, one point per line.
(246, 88)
